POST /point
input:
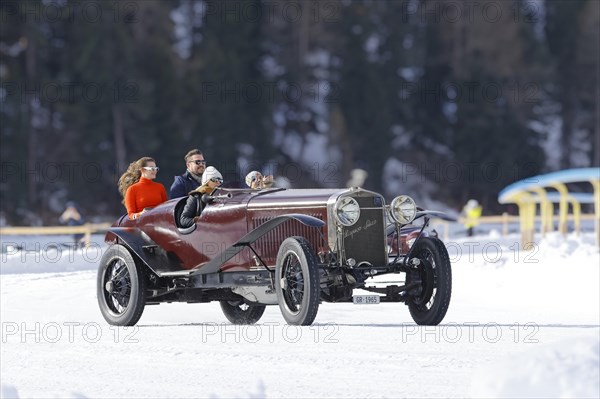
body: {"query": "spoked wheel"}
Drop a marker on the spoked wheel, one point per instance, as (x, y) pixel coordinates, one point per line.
(239, 312)
(121, 287)
(297, 282)
(434, 270)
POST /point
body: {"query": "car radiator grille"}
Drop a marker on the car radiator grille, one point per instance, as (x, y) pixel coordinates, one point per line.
(365, 240)
(268, 245)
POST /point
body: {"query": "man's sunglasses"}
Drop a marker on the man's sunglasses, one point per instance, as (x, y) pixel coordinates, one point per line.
(152, 168)
(199, 162)
(216, 180)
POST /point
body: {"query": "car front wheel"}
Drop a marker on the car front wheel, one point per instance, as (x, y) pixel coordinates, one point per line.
(121, 287)
(435, 273)
(297, 282)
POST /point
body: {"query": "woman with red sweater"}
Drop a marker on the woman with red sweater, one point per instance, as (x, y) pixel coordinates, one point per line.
(137, 188)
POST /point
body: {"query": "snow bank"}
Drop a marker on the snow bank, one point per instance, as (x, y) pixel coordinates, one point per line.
(564, 369)
(8, 391)
(557, 282)
(11, 392)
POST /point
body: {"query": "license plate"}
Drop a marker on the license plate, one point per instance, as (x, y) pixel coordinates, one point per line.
(365, 299)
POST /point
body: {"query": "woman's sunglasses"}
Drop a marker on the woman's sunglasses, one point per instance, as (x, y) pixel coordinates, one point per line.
(152, 168)
(216, 180)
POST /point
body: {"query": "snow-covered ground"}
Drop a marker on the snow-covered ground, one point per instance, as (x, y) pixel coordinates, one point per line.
(520, 324)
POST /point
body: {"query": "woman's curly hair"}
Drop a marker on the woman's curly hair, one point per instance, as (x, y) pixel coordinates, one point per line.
(132, 175)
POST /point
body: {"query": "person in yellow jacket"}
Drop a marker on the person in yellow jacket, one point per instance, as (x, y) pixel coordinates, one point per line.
(471, 212)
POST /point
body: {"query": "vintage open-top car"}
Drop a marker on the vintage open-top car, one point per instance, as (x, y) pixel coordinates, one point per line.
(291, 247)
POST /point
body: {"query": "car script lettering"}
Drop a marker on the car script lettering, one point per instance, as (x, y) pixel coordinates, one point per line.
(368, 224)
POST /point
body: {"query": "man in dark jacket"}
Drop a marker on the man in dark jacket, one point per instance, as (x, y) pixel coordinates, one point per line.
(192, 178)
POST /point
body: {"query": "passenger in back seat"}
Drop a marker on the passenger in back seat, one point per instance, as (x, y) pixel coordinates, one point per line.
(138, 188)
(256, 180)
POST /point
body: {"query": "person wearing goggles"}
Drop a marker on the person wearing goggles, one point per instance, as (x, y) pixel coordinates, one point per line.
(211, 179)
(256, 180)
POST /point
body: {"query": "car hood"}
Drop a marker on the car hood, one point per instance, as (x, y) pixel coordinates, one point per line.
(293, 198)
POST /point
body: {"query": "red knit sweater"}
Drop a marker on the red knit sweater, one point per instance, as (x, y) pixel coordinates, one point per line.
(144, 194)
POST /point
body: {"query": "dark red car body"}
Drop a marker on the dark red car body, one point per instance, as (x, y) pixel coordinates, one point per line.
(251, 248)
(223, 222)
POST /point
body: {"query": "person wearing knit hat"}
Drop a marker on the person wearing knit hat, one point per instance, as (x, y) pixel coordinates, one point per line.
(211, 173)
(252, 179)
(211, 179)
(256, 180)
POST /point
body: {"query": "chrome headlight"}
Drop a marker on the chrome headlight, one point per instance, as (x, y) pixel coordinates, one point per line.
(403, 209)
(346, 211)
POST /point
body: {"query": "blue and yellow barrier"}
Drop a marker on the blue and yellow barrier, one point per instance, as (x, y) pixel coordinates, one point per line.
(530, 192)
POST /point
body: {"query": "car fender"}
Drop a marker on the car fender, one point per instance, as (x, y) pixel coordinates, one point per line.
(145, 249)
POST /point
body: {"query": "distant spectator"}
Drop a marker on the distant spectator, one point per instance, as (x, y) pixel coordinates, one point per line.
(192, 178)
(256, 180)
(72, 217)
(357, 178)
(137, 188)
(471, 212)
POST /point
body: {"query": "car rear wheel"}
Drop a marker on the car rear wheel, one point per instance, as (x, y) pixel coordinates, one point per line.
(121, 287)
(238, 312)
(297, 282)
(434, 270)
